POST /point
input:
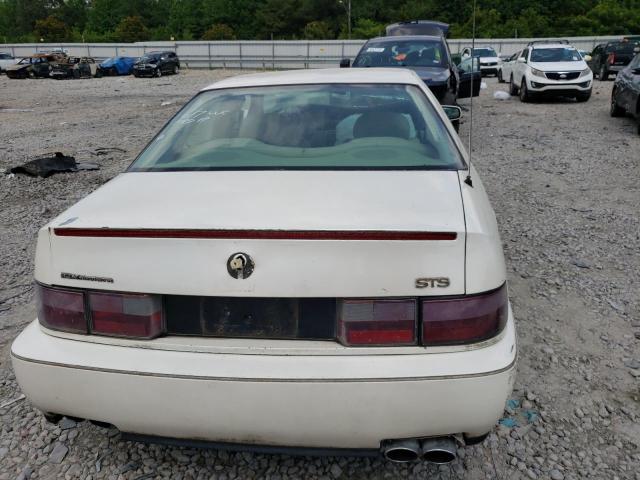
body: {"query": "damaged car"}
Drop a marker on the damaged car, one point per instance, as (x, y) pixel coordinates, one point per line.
(299, 261)
(35, 66)
(156, 64)
(117, 66)
(75, 67)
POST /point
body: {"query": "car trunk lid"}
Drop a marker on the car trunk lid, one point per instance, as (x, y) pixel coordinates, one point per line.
(309, 234)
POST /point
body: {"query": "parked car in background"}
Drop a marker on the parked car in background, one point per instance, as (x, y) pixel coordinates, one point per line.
(75, 67)
(505, 69)
(625, 96)
(489, 59)
(224, 312)
(156, 64)
(551, 68)
(427, 55)
(6, 60)
(612, 57)
(35, 66)
(117, 66)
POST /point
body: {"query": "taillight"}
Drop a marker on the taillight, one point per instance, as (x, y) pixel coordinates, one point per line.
(61, 309)
(125, 315)
(115, 314)
(612, 58)
(464, 320)
(377, 322)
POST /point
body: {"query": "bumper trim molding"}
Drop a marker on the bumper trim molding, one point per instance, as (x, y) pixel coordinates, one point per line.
(268, 380)
(255, 448)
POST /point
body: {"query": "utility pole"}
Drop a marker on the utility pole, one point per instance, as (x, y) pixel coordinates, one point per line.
(349, 18)
(347, 7)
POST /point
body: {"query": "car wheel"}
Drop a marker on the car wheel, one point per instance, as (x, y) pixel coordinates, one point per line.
(513, 90)
(604, 75)
(524, 93)
(615, 110)
(158, 72)
(499, 75)
(175, 69)
(31, 74)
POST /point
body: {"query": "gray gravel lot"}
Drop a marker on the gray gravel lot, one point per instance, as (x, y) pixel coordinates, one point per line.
(563, 179)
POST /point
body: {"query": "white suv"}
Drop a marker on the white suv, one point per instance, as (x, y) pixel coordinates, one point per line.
(489, 59)
(551, 69)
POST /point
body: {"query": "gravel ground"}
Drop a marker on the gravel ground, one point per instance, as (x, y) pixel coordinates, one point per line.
(563, 179)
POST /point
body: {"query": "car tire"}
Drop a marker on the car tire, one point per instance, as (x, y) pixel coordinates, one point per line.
(499, 75)
(176, 69)
(615, 110)
(513, 90)
(158, 72)
(524, 92)
(31, 74)
(603, 75)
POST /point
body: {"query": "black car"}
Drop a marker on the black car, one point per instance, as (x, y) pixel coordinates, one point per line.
(427, 55)
(625, 96)
(611, 57)
(156, 64)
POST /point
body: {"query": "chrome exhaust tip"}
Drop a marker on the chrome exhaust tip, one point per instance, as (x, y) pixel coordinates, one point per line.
(441, 450)
(401, 451)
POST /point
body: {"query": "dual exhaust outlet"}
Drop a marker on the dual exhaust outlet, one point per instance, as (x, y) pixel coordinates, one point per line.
(439, 450)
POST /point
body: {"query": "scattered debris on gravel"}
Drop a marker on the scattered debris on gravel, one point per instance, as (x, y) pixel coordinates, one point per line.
(563, 180)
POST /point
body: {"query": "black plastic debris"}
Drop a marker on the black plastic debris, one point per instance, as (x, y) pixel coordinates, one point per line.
(46, 166)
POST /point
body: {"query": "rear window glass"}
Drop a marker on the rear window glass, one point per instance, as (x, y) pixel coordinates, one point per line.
(623, 47)
(310, 126)
(402, 53)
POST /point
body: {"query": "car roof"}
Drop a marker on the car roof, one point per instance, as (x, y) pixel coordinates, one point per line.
(395, 38)
(322, 76)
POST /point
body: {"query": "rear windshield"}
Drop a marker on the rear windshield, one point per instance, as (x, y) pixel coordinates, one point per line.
(405, 53)
(311, 126)
(556, 54)
(622, 47)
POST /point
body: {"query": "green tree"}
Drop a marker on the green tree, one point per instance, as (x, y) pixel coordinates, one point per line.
(366, 28)
(219, 31)
(131, 29)
(52, 29)
(318, 30)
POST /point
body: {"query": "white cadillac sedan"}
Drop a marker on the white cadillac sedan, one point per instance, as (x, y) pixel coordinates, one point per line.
(296, 262)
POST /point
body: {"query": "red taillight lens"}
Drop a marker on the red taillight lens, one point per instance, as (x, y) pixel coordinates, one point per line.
(61, 309)
(464, 320)
(126, 315)
(612, 58)
(377, 322)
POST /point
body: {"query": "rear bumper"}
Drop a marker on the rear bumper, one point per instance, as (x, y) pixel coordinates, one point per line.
(310, 401)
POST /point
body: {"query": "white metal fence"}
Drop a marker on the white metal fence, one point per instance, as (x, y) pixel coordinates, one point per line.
(264, 54)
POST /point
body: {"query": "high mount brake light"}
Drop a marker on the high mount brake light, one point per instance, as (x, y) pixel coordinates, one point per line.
(113, 314)
(377, 322)
(464, 320)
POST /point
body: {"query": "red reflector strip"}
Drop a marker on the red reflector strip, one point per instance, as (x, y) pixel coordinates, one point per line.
(256, 234)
